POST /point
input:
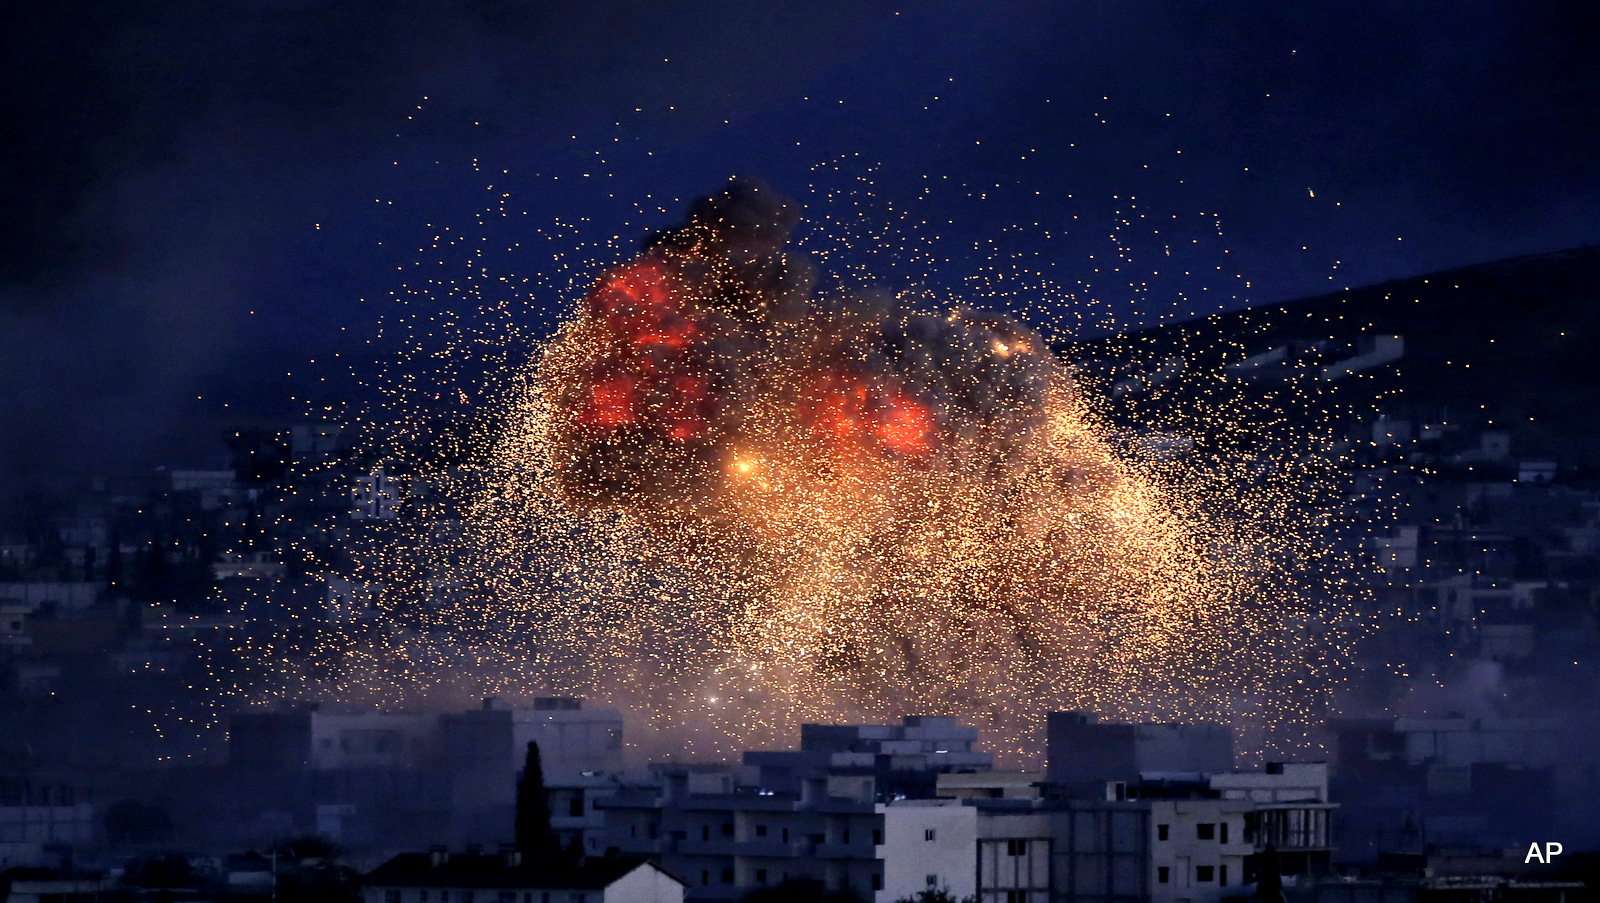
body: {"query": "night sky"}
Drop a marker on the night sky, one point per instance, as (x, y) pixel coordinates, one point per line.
(190, 187)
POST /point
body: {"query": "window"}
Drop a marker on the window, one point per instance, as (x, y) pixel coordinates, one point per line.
(761, 876)
(785, 835)
(1161, 832)
(423, 897)
(845, 838)
(467, 895)
(1205, 831)
(705, 832)
(1016, 896)
(877, 837)
(444, 896)
(1016, 848)
(577, 898)
(544, 897)
(705, 876)
(508, 896)
(1163, 874)
(928, 834)
(1222, 872)
(727, 829)
(576, 807)
(1205, 873)
(1224, 827)
(633, 830)
(391, 896)
(653, 829)
(877, 882)
(761, 830)
(727, 876)
(933, 880)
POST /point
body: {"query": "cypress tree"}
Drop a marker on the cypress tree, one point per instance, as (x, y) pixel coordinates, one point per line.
(535, 840)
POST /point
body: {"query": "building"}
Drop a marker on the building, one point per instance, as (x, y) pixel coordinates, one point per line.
(990, 785)
(1212, 833)
(440, 877)
(904, 760)
(374, 497)
(373, 740)
(422, 777)
(928, 845)
(1082, 753)
(726, 841)
(575, 815)
(1062, 851)
(31, 885)
(1199, 849)
(570, 738)
(1410, 783)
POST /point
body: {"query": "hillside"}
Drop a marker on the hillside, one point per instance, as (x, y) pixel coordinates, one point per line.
(1513, 344)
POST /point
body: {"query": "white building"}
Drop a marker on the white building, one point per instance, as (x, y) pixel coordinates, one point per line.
(1198, 849)
(1202, 849)
(928, 845)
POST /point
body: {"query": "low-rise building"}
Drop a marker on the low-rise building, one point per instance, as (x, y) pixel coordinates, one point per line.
(37, 885)
(726, 841)
(904, 760)
(440, 877)
(928, 845)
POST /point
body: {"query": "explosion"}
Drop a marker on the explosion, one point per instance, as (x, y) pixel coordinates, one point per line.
(738, 503)
(730, 502)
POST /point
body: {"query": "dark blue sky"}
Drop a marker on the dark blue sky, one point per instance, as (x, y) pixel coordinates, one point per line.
(163, 164)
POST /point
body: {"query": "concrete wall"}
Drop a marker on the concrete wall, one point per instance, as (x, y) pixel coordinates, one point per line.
(910, 856)
(1184, 854)
(645, 884)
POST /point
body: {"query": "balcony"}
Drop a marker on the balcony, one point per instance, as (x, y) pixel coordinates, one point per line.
(844, 851)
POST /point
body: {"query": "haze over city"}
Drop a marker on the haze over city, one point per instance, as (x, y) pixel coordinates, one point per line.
(1012, 452)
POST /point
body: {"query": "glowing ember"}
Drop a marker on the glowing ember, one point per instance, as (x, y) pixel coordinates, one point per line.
(733, 503)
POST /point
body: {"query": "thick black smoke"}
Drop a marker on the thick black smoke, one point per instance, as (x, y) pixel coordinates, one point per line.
(713, 346)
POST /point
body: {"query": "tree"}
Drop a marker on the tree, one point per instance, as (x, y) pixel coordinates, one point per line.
(535, 840)
(1269, 888)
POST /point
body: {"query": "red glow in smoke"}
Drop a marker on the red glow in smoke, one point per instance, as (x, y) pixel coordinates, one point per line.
(852, 414)
(638, 303)
(612, 403)
(649, 334)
